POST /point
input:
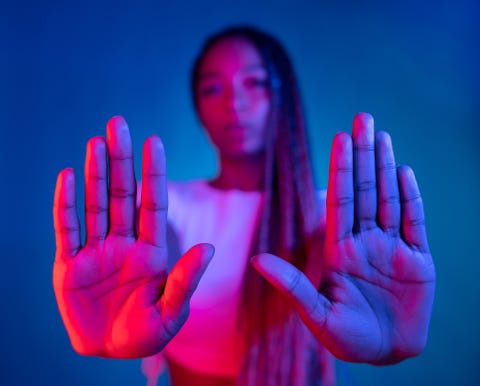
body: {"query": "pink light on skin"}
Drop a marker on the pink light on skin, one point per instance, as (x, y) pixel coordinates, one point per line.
(233, 105)
(114, 293)
(234, 98)
(118, 299)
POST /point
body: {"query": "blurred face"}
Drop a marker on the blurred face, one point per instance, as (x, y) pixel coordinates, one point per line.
(234, 98)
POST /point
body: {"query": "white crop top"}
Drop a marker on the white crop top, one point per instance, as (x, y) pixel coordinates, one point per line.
(209, 342)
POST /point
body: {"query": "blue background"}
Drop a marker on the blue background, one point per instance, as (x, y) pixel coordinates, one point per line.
(66, 68)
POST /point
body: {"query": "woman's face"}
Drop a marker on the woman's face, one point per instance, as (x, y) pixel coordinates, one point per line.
(234, 98)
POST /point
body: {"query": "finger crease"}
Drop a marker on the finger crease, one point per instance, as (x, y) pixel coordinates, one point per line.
(365, 186)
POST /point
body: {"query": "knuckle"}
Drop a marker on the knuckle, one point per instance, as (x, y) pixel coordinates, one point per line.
(66, 229)
(387, 167)
(365, 186)
(293, 280)
(364, 147)
(122, 231)
(122, 193)
(152, 206)
(415, 221)
(412, 199)
(340, 201)
(94, 208)
(389, 200)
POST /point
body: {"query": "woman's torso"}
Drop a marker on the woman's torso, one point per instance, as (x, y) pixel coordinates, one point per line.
(209, 342)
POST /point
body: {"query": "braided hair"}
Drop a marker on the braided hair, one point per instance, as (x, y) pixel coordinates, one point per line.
(278, 351)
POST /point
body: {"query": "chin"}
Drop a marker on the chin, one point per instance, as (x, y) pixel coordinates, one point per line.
(244, 154)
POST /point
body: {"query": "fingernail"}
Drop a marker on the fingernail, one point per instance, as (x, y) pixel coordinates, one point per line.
(117, 122)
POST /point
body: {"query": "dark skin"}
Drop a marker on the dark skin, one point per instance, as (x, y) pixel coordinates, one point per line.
(378, 285)
(376, 294)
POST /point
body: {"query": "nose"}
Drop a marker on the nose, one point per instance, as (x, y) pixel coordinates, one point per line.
(236, 99)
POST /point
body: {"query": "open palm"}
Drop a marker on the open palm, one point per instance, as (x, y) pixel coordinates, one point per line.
(115, 295)
(375, 299)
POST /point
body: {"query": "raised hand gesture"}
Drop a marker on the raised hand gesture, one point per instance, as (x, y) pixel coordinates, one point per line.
(375, 299)
(114, 293)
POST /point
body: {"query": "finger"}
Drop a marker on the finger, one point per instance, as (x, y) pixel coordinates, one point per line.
(388, 195)
(364, 172)
(181, 283)
(65, 219)
(412, 215)
(122, 178)
(96, 191)
(154, 201)
(340, 189)
(291, 282)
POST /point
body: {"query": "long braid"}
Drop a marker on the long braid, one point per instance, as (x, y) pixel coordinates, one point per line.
(279, 333)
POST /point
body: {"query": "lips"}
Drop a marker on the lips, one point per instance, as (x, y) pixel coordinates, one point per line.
(237, 130)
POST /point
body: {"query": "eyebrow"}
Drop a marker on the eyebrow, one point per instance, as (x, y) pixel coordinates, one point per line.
(214, 74)
(255, 67)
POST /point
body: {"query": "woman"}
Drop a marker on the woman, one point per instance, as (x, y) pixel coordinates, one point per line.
(357, 269)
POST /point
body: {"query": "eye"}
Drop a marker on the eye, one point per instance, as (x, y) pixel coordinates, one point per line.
(256, 82)
(210, 89)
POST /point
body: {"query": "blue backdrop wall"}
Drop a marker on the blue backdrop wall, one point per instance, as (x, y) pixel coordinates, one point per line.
(66, 67)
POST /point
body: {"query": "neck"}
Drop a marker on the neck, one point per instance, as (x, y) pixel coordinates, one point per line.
(246, 173)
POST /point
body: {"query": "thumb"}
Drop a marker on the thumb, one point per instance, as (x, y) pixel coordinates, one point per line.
(181, 283)
(292, 283)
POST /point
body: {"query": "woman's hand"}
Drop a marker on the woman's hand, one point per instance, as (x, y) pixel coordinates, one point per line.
(114, 293)
(375, 298)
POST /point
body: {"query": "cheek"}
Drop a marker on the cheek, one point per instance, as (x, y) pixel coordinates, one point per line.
(210, 120)
(261, 114)
(207, 113)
